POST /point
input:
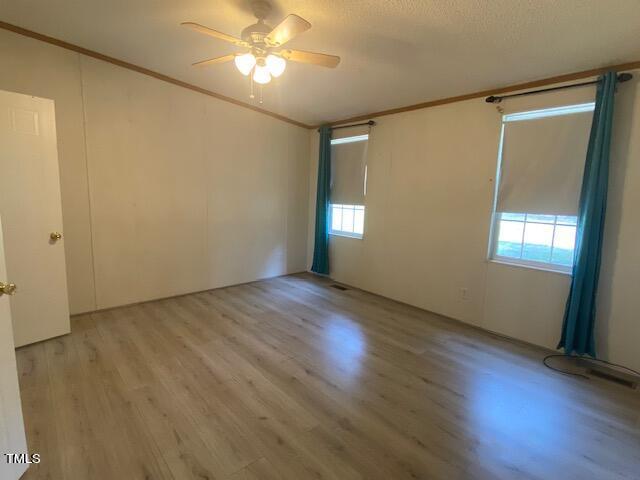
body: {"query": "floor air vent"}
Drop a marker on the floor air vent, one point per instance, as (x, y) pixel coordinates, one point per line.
(339, 287)
(612, 378)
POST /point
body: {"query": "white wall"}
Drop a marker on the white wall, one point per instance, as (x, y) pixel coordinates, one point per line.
(164, 190)
(428, 210)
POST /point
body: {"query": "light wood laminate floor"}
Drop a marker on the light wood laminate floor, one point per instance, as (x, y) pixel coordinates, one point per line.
(289, 378)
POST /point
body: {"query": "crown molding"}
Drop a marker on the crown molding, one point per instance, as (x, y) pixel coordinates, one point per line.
(495, 91)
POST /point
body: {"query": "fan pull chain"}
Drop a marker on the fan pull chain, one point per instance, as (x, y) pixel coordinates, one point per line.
(260, 87)
(251, 95)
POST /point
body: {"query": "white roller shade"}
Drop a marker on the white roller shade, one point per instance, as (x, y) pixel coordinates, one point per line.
(350, 132)
(559, 98)
(348, 164)
(543, 163)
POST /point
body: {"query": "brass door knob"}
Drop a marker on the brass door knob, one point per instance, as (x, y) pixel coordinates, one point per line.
(55, 236)
(7, 288)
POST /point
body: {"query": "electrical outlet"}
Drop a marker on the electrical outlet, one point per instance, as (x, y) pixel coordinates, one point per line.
(464, 293)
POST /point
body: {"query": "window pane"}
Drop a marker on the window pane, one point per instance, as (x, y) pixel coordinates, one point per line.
(563, 245)
(512, 216)
(540, 218)
(510, 239)
(566, 220)
(358, 221)
(537, 242)
(336, 217)
(347, 219)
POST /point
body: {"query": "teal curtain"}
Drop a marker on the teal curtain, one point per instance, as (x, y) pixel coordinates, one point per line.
(321, 248)
(580, 311)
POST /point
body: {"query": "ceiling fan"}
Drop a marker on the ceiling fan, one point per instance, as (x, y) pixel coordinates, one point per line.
(265, 58)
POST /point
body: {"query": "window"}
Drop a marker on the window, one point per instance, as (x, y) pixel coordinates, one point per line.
(536, 240)
(348, 185)
(541, 160)
(347, 220)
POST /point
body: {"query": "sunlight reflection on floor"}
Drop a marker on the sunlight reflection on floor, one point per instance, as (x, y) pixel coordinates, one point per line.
(511, 414)
(345, 346)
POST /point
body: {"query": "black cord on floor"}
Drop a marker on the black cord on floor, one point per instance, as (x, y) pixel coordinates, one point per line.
(587, 359)
(559, 370)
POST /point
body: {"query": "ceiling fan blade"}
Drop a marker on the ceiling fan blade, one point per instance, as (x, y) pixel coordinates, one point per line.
(214, 33)
(287, 29)
(330, 61)
(213, 61)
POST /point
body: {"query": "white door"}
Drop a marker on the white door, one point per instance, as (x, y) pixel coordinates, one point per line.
(12, 438)
(31, 213)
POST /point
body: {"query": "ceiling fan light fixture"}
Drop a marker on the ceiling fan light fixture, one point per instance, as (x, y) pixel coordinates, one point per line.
(276, 65)
(263, 58)
(261, 74)
(245, 63)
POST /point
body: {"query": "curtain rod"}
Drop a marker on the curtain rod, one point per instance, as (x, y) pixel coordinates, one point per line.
(371, 123)
(623, 77)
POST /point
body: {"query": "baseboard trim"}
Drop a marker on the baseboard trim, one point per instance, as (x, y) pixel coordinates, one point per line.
(542, 349)
(142, 302)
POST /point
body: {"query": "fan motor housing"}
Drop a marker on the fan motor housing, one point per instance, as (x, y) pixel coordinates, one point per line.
(256, 33)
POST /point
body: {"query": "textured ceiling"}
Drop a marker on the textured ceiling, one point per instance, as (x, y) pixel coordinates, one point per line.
(394, 52)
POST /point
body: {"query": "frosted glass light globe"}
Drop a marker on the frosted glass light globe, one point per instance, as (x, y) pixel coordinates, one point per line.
(276, 65)
(245, 63)
(261, 74)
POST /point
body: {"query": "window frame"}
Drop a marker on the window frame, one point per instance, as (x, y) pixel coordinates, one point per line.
(547, 266)
(494, 229)
(345, 233)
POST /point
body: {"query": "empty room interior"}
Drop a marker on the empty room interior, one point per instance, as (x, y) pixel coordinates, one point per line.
(291, 240)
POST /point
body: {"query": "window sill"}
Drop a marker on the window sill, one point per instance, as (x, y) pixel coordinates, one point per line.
(540, 268)
(346, 235)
